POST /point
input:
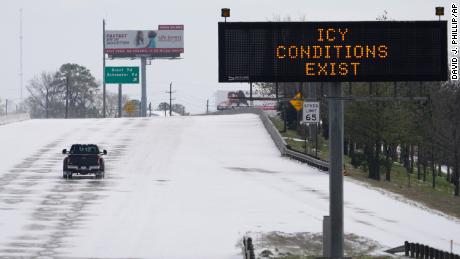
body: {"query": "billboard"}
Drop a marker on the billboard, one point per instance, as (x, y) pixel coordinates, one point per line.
(167, 41)
(332, 51)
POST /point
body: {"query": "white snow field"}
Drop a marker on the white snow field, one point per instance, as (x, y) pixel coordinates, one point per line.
(178, 187)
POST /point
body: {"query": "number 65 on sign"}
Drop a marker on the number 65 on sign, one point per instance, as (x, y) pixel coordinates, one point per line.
(310, 112)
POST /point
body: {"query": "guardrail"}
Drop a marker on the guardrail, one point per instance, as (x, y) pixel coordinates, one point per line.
(277, 138)
(416, 250)
(320, 164)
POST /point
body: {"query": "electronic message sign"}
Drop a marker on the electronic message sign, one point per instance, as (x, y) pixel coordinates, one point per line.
(332, 51)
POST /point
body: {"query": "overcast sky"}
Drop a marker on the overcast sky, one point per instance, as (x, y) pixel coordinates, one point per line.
(62, 31)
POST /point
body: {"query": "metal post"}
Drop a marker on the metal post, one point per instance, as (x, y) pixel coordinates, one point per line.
(103, 70)
(285, 115)
(6, 107)
(313, 129)
(285, 104)
(67, 96)
(119, 100)
(144, 87)
(276, 91)
(335, 170)
(207, 106)
(170, 99)
(326, 236)
(21, 75)
(316, 140)
(305, 132)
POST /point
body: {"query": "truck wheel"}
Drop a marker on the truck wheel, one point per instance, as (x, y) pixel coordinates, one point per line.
(67, 175)
(98, 175)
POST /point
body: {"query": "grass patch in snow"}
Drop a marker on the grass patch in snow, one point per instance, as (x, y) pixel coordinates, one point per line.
(308, 245)
(441, 198)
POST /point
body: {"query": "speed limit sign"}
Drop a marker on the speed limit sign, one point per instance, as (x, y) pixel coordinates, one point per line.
(310, 112)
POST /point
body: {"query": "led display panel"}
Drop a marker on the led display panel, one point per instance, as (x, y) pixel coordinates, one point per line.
(333, 51)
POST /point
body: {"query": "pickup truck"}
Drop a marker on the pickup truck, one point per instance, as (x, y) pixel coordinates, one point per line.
(83, 159)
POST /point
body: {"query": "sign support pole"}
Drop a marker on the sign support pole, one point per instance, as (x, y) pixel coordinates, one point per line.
(119, 100)
(311, 89)
(335, 170)
(144, 87)
(103, 68)
(316, 140)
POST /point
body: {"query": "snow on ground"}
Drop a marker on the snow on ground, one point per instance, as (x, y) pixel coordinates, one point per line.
(179, 187)
(14, 117)
(163, 114)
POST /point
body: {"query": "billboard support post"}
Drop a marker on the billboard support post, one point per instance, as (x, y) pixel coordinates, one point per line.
(335, 169)
(144, 87)
(103, 68)
(119, 100)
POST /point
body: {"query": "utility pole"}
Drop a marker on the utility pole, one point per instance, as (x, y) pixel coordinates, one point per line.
(207, 106)
(20, 55)
(103, 70)
(170, 98)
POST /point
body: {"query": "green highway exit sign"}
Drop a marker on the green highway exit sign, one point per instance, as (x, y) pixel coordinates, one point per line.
(122, 75)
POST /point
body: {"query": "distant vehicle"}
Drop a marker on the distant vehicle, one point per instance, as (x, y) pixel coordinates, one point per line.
(84, 159)
(234, 99)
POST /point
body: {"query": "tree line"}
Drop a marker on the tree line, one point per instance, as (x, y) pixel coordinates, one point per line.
(420, 134)
(72, 92)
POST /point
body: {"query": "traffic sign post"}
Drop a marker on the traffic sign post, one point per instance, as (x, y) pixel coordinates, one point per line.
(310, 112)
(121, 75)
(335, 170)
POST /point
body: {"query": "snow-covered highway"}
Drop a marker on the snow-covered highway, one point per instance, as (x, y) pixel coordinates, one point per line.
(179, 187)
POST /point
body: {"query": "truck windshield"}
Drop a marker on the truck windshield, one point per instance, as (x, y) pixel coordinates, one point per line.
(84, 149)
